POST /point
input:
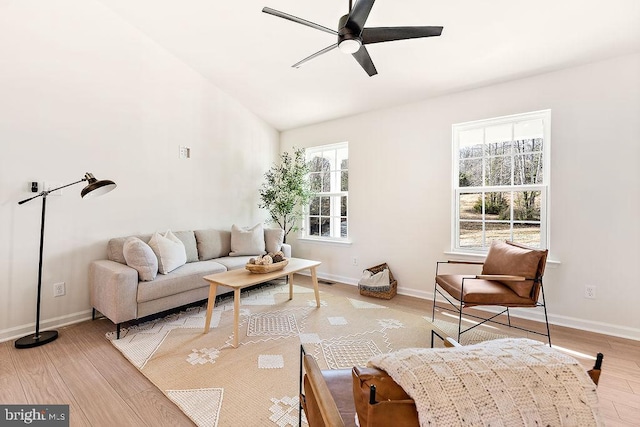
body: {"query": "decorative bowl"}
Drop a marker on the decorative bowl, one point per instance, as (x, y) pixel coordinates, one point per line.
(260, 269)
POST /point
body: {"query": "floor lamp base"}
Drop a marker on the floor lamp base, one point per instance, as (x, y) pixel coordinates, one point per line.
(34, 341)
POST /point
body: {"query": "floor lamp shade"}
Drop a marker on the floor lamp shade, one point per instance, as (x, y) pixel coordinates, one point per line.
(96, 188)
(93, 188)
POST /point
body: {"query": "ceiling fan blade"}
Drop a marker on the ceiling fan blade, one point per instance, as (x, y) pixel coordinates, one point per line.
(309, 58)
(363, 58)
(387, 34)
(298, 20)
(359, 14)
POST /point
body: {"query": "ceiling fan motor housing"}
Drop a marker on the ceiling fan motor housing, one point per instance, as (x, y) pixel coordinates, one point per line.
(349, 40)
(345, 33)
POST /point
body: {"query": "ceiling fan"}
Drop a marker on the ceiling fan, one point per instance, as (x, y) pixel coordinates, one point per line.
(352, 34)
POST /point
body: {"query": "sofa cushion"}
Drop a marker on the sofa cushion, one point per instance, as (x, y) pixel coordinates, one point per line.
(212, 243)
(273, 239)
(247, 241)
(481, 291)
(169, 250)
(185, 278)
(234, 262)
(141, 257)
(188, 239)
(509, 259)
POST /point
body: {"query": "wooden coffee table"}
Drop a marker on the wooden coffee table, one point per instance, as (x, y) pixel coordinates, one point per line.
(242, 278)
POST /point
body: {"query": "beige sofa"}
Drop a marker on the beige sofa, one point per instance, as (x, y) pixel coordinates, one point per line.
(118, 293)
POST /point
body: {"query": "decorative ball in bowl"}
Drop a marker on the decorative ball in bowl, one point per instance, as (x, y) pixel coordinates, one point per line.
(267, 263)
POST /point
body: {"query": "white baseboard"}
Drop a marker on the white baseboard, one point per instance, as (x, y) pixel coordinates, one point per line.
(536, 315)
(528, 314)
(53, 323)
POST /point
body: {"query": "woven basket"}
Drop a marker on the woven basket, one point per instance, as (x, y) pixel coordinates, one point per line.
(386, 294)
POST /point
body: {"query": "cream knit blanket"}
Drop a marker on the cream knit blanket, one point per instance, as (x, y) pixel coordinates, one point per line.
(505, 382)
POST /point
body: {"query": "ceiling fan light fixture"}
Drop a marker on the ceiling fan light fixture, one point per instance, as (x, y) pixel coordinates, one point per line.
(350, 46)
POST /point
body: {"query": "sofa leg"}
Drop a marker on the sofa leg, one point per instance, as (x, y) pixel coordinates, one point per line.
(93, 314)
(118, 331)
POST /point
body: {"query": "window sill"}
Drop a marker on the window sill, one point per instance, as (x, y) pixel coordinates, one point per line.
(324, 241)
(470, 256)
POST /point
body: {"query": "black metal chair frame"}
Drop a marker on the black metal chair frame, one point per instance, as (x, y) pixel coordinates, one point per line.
(458, 305)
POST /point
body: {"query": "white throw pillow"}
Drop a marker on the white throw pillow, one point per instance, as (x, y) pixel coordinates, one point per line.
(247, 241)
(375, 280)
(141, 257)
(169, 250)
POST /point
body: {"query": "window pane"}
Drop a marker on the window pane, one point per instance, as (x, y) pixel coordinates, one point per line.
(314, 206)
(497, 148)
(470, 234)
(325, 227)
(343, 227)
(470, 143)
(343, 158)
(471, 206)
(344, 181)
(328, 160)
(529, 129)
(316, 182)
(526, 206)
(343, 206)
(527, 234)
(470, 173)
(522, 146)
(528, 169)
(326, 181)
(497, 206)
(314, 226)
(497, 170)
(315, 164)
(498, 133)
(325, 206)
(497, 231)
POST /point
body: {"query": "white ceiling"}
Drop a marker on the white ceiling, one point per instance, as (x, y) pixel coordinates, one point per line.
(248, 54)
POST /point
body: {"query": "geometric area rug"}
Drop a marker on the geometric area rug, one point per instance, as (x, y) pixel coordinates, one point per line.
(256, 384)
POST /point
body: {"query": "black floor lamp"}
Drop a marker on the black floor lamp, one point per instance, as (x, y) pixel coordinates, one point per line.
(93, 188)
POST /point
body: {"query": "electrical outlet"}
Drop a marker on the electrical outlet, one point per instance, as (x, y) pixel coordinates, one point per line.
(590, 292)
(354, 261)
(184, 152)
(58, 289)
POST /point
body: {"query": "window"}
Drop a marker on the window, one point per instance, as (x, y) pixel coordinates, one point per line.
(329, 177)
(500, 181)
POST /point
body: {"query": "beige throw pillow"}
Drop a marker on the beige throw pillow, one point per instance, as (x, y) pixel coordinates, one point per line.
(169, 250)
(213, 243)
(273, 239)
(247, 241)
(141, 257)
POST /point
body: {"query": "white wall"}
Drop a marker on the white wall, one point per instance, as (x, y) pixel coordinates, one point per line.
(81, 90)
(400, 188)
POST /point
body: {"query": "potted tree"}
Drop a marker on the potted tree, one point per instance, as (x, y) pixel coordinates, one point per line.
(286, 191)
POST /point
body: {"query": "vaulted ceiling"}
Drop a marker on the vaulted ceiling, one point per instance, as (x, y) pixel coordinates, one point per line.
(248, 54)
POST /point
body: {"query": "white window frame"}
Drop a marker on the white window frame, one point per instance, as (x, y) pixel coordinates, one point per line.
(545, 116)
(334, 194)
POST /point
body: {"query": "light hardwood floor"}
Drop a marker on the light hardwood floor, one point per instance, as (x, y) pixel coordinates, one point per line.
(81, 368)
